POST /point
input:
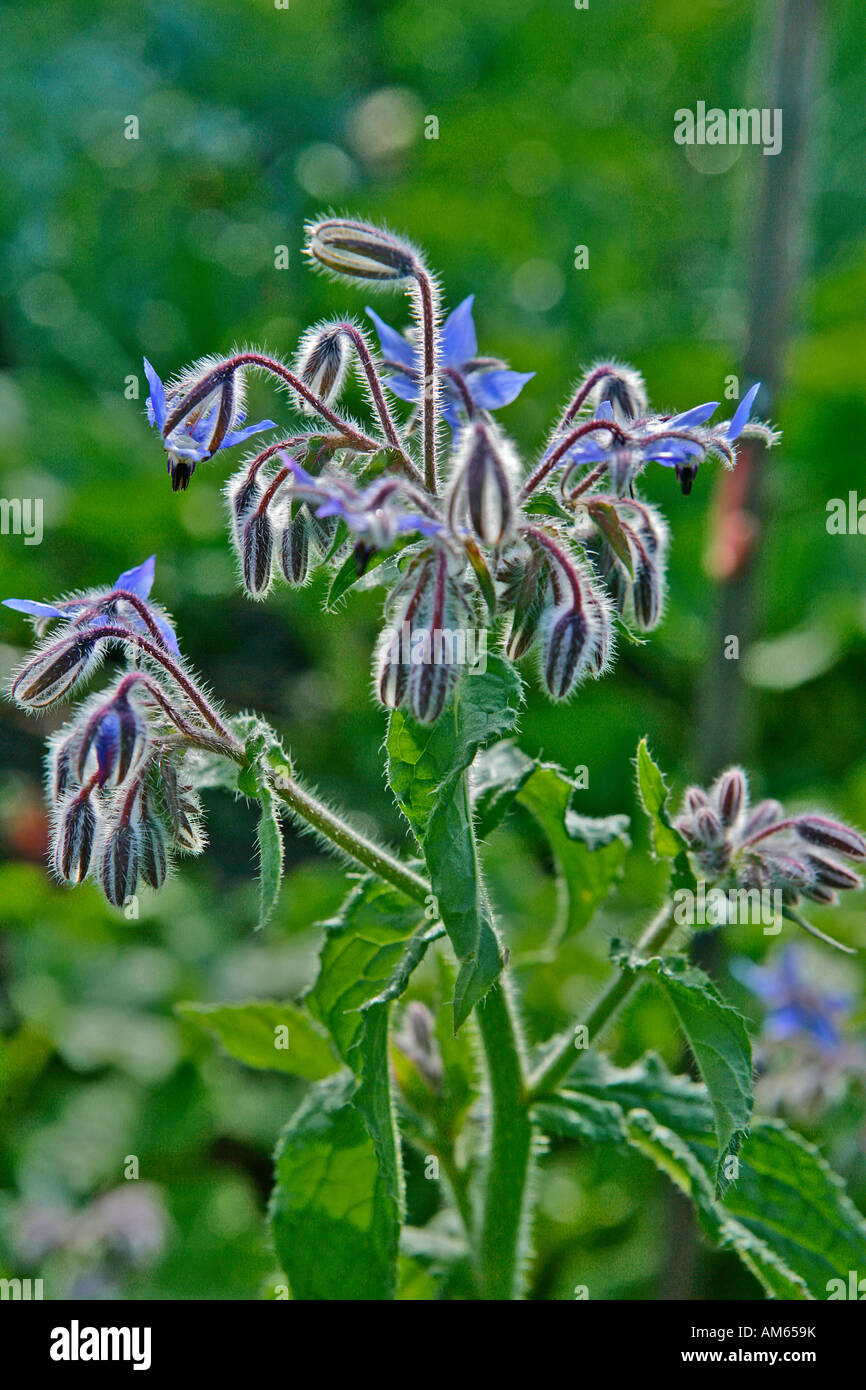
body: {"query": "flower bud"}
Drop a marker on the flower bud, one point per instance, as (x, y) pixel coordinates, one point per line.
(294, 549)
(709, 828)
(258, 552)
(118, 868)
(564, 649)
(483, 473)
(189, 838)
(730, 794)
(52, 673)
(321, 365)
(833, 875)
(830, 834)
(118, 733)
(75, 837)
(696, 799)
(152, 857)
(358, 251)
(243, 494)
(624, 388)
(430, 684)
(765, 814)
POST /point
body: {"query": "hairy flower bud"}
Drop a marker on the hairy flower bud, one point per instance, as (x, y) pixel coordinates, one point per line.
(624, 388)
(294, 549)
(51, 674)
(243, 494)
(564, 647)
(118, 865)
(482, 485)
(76, 833)
(321, 364)
(833, 875)
(152, 856)
(730, 795)
(358, 251)
(258, 553)
(118, 732)
(417, 1041)
(709, 827)
(765, 814)
(830, 834)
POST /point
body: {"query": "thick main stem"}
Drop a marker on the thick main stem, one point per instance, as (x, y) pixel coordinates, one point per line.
(510, 1152)
(510, 1149)
(560, 1061)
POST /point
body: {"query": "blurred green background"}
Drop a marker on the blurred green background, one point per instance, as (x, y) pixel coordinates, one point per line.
(555, 131)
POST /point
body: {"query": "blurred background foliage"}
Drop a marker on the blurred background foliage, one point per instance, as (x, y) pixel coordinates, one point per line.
(555, 131)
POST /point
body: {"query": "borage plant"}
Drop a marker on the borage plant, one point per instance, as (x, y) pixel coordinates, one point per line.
(484, 562)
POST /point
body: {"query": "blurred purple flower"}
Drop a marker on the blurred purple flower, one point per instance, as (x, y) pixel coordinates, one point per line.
(795, 1005)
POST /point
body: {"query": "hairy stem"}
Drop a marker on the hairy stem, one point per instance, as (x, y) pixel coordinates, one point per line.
(510, 1152)
(560, 1061)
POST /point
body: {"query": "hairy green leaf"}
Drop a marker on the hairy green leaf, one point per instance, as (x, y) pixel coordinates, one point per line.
(667, 841)
(332, 1212)
(785, 1212)
(266, 1034)
(717, 1036)
(589, 852)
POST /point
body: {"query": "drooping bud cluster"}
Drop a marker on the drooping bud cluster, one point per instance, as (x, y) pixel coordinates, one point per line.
(628, 541)
(762, 847)
(120, 800)
(557, 603)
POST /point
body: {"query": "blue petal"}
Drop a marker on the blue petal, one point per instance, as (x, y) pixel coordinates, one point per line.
(156, 400)
(497, 388)
(34, 609)
(415, 522)
(604, 412)
(735, 428)
(166, 632)
(587, 451)
(664, 450)
(403, 387)
(696, 416)
(238, 436)
(139, 580)
(395, 347)
(457, 342)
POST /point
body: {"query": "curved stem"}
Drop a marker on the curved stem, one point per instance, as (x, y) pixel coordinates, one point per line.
(560, 1061)
(209, 382)
(349, 841)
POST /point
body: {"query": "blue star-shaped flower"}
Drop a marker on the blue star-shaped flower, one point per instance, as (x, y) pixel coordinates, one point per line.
(137, 581)
(489, 382)
(207, 428)
(795, 1006)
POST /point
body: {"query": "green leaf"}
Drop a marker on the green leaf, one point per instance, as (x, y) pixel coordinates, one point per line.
(370, 950)
(608, 521)
(785, 1212)
(427, 771)
(332, 1213)
(589, 852)
(268, 1035)
(667, 841)
(674, 1157)
(347, 575)
(269, 837)
(717, 1036)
